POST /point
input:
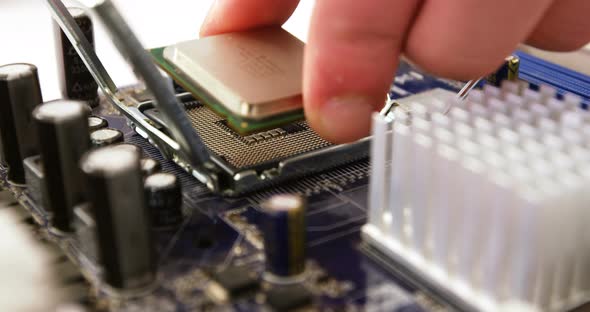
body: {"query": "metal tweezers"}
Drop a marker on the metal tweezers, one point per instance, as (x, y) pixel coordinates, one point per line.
(186, 141)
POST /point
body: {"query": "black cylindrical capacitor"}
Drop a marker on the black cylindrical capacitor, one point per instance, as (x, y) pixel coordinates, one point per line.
(116, 195)
(63, 139)
(164, 199)
(95, 123)
(150, 166)
(106, 136)
(284, 237)
(76, 80)
(20, 93)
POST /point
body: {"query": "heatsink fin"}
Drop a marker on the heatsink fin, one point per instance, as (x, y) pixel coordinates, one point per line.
(488, 202)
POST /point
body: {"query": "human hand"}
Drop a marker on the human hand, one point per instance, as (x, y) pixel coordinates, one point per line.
(354, 45)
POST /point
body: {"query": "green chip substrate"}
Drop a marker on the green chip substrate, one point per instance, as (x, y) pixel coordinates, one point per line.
(241, 125)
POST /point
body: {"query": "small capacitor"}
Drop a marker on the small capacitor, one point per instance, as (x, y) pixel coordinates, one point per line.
(106, 136)
(20, 93)
(284, 237)
(117, 199)
(150, 166)
(63, 136)
(95, 123)
(507, 71)
(164, 199)
(76, 80)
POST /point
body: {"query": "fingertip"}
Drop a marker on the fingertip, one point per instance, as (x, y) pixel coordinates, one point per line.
(237, 15)
(350, 60)
(342, 119)
(208, 26)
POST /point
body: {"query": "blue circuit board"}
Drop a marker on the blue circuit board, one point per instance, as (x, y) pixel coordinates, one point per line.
(223, 232)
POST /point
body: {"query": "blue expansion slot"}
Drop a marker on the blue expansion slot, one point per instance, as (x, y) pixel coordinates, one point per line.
(538, 71)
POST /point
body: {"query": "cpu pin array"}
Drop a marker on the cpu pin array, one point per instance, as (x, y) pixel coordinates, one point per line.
(488, 201)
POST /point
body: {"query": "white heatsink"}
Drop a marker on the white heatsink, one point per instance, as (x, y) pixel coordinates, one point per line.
(489, 202)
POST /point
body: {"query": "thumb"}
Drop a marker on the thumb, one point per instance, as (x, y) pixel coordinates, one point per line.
(351, 57)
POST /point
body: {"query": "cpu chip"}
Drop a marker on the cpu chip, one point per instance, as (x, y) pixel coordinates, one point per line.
(254, 78)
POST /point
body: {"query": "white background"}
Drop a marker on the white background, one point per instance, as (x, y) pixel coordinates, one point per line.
(26, 33)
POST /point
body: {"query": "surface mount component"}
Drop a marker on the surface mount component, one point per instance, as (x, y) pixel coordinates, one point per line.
(231, 283)
(63, 136)
(507, 71)
(253, 78)
(490, 208)
(20, 93)
(116, 194)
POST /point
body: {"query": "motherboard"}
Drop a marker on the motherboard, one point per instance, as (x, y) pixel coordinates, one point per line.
(149, 201)
(219, 242)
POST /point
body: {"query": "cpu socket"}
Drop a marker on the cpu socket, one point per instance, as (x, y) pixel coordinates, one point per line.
(250, 162)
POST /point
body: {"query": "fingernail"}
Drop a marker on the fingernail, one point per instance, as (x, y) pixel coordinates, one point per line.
(346, 118)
